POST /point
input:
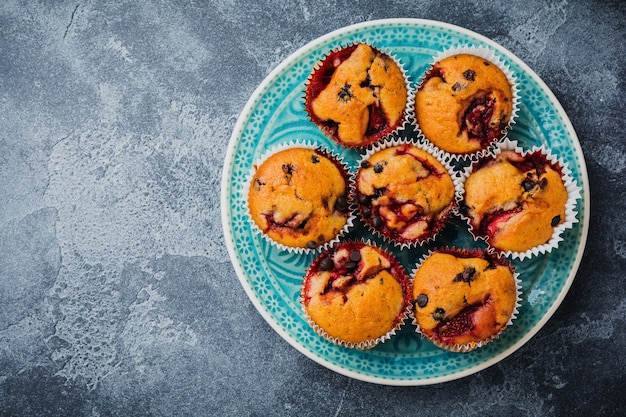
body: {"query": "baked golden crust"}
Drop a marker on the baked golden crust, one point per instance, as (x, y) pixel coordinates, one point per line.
(515, 202)
(463, 104)
(356, 293)
(364, 99)
(404, 192)
(463, 299)
(298, 197)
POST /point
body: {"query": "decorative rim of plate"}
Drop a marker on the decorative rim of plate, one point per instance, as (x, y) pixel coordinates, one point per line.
(225, 207)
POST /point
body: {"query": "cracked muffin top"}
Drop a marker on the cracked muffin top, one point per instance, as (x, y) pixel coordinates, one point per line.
(463, 299)
(404, 193)
(515, 201)
(463, 104)
(298, 197)
(356, 294)
(357, 95)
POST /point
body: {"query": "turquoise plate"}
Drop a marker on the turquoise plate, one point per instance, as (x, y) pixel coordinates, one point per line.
(275, 114)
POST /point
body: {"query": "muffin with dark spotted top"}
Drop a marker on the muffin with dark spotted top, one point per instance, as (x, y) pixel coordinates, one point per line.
(298, 197)
(357, 95)
(464, 103)
(462, 299)
(404, 193)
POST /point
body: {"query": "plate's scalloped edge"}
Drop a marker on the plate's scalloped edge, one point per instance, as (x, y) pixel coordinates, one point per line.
(382, 379)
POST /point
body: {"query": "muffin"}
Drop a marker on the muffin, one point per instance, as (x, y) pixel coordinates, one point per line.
(357, 95)
(298, 197)
(515, 201)
(404, 193)
(462, 299)
(355, 295)
(464, 103)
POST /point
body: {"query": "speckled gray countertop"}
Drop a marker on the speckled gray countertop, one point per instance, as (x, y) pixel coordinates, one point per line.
(117, 294)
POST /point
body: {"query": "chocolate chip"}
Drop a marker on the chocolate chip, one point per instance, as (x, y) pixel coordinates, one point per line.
(439, 314)
(469, 74)
(311, 244)
(366, 212)
(351, 266)
(355, 256)
(314, 159)
(377, 222)
(422, 300)
(456, 87)
(327, 264)
(378, 168)
(468, 275)
(341, 204)
(365, 164)
(543, 183)
(363, 199)
(555, 221)
(528, 184)
(345, 94)
(287, 169)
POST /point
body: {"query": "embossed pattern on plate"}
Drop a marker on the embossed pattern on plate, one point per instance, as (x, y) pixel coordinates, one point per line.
(275, 114)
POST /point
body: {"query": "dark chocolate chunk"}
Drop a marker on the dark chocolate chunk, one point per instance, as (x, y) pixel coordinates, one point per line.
(365, 164)
(528, 184)
(351, 266)
(345, 94)
(468, 275)
(456, 87)
(364, 200)
(469, 75)
(341, 204)
(327, 264)
(555, 221)
(543, 183)
(422, 300)
(378, 168)
(439, 314)
(355, 256)
(311, 244)
(314, 159)
(288, 169)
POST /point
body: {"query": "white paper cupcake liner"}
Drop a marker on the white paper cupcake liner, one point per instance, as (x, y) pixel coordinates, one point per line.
(367, 344)
(491, 56)
(392, 141)
(573, 195)
(468, 347)
(410, 99)
(349, 186)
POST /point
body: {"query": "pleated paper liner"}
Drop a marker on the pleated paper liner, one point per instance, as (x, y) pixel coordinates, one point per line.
(313, 244)
(572, 189)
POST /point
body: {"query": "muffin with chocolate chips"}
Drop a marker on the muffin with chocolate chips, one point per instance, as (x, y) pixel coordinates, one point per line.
(298, 197)
(355, 295)
(515, 201)
(462, 299)
(357, 95)
(464, 103)
(404, 193)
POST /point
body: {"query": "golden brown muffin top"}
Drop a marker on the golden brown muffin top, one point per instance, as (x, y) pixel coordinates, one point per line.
(516, 202)
(298, 198)
(366, 86)
(407, 188)
(354, 294)
(461, 300)
(464, 103)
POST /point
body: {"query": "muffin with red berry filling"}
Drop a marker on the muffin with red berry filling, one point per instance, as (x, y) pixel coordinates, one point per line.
(357, 95)
(298, 197)
(355, 295)
(462, 299)
(515, 200)
(404, 193)
(464, 103)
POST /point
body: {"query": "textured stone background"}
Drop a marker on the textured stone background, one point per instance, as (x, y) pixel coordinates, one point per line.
(116, 293)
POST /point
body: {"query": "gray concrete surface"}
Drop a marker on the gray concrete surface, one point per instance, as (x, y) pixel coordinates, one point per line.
(117, 296)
